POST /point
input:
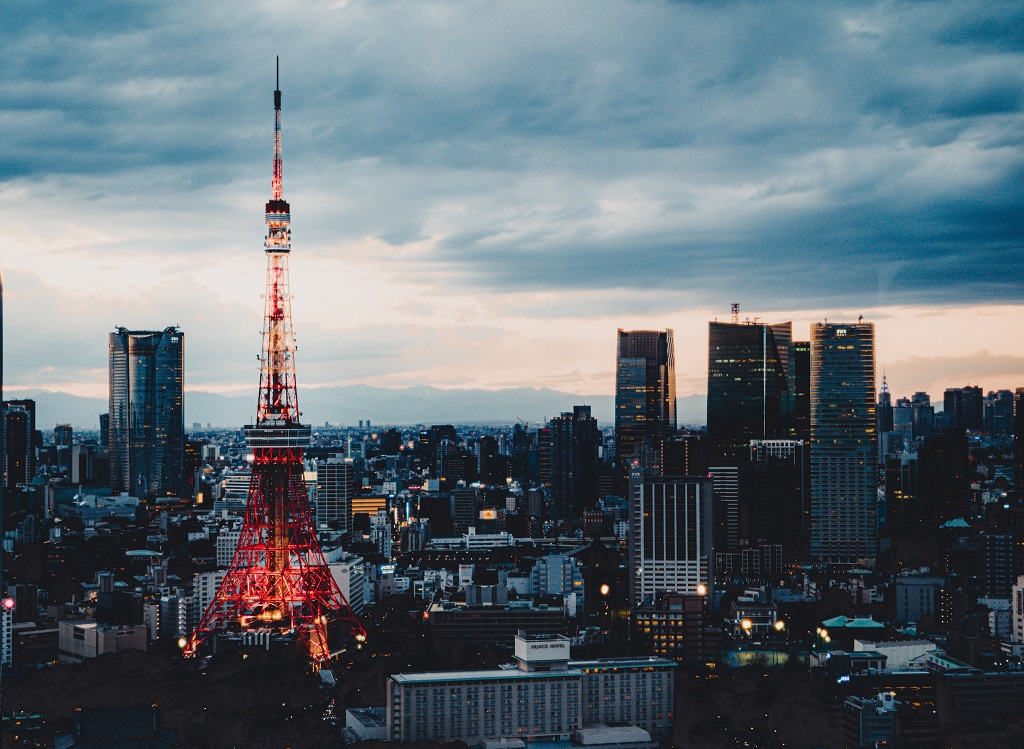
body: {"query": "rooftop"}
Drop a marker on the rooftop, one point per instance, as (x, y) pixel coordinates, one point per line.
(576, 668)
(845, 621)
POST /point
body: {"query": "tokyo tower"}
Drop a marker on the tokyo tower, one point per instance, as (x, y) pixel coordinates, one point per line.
(278, 580)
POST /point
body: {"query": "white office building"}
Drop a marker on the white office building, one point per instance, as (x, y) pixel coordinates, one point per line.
(544, 696)
(335, 487)
(349, 572)
(227, 542)
(670, 541)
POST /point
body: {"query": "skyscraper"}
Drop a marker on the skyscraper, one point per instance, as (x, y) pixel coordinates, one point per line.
(670, 538)
(1018, 442)
(964, 408)
(943, 483)
(147, 420)
(19, 445)
(335, 487)
(746, 386)
(645, 396)
(778, 511)
(844, 502)
(575, 440)
(797, 411)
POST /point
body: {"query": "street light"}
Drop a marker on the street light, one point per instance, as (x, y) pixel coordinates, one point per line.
(702, 589)
(779, 627)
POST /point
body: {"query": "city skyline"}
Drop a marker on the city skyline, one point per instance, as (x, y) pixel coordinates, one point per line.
(489, 217)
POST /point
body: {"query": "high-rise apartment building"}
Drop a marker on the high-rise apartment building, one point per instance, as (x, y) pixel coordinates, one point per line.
(335, 487)
(670, 539)
(19, 445)
(147, 421)
(844, 500)
(645, 396)
(575, 442)
(747, 384)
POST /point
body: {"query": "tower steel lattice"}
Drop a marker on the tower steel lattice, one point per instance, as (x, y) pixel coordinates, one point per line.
(278, 579)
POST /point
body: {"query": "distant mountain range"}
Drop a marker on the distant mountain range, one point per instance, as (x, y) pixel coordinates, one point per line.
(349, 404)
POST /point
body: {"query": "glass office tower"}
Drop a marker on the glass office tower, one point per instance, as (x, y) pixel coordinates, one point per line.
(645, 398)
(147, 421)
(747, 368)
(844, 496)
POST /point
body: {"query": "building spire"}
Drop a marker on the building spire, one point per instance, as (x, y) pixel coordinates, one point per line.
(276, 184)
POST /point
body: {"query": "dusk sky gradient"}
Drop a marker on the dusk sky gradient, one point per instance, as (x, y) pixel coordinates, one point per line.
(482, 192)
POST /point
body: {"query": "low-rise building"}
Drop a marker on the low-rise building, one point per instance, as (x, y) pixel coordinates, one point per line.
(869, 721)
(450, 621)
(900, 654)
(544, 696)
(80, 640)
(676, 626)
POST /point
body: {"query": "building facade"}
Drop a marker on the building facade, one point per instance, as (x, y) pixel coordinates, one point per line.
(335, 487)
(545, 696)
(670, 540)
(147, 422)
(747, 385)
(19, 442)
(645, 396)
(575, 444)
(844, 499)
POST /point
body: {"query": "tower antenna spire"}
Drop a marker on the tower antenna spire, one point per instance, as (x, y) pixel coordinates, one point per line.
(276, 184)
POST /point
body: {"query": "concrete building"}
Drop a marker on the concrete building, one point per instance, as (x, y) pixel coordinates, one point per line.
(450, 622)
(677, 627)
(1017, 610)
(544, 696)
(79, 640)
(670, 543)
(349, 572)
(473, 541)
(6, 635)
(204, 587)
(227, 542)
(869, 721)
(335, 487)
(901, 655)
(558, 575)
(917, 596)
(381, 533)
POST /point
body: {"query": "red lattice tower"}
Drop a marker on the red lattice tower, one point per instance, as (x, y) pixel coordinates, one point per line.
(278, 579)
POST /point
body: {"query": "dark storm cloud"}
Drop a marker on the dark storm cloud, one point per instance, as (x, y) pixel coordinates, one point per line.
(793, 154)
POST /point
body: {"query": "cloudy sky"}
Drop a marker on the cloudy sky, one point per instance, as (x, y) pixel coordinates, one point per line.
(482, 192)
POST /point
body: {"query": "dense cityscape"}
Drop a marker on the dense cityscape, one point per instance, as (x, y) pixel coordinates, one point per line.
(815, 562)
(864, 550)
(863, 547)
